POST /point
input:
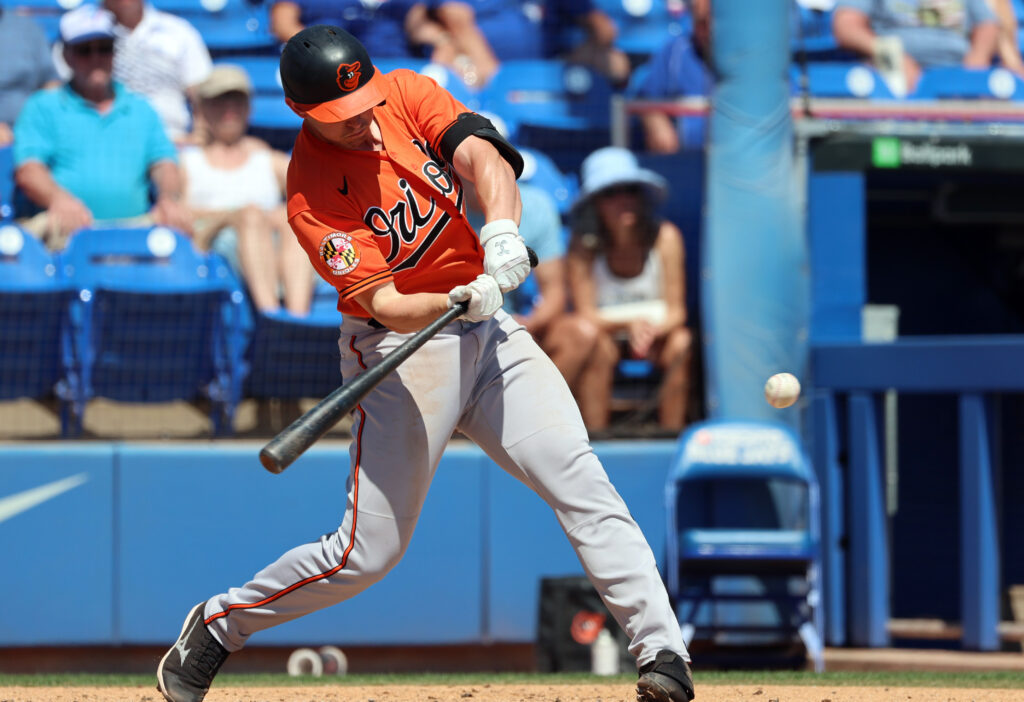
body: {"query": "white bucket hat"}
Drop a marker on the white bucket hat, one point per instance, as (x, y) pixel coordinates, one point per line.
(612, 166)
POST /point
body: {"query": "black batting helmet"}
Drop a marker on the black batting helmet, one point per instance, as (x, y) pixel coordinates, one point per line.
(327, 75)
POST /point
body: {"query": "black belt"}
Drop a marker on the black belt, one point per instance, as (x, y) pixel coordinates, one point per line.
(374, 323)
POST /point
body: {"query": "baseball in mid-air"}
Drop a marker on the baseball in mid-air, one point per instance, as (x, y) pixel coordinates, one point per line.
(782, 390)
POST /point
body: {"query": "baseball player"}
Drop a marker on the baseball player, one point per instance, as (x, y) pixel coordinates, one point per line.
(375, 198)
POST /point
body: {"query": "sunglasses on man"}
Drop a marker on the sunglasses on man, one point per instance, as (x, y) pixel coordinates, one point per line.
(93, 48)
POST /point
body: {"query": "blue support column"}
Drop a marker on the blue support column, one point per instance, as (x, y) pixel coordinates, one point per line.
(753, 252)
(836, 231)
(979, 534)
(830, 481)
(869, 544)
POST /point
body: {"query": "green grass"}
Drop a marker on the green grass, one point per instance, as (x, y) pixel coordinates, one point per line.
(1009, 679)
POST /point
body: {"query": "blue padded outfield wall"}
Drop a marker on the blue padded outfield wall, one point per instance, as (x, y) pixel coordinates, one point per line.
(754, 271)
(110, 544)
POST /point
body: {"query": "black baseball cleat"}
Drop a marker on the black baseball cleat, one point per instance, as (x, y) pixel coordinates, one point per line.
(188, 668)
(665, 679)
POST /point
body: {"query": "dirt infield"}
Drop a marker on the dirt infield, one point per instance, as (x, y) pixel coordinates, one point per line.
(617, 692)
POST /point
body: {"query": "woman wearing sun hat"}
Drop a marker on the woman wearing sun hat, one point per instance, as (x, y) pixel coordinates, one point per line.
(627, 274)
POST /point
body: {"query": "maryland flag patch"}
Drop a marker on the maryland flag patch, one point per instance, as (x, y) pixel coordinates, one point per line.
(339, 252)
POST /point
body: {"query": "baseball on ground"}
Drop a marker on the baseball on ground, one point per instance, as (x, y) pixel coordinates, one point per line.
(782, 390)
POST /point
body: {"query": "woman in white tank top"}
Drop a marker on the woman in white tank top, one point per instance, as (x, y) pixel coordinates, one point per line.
(627, 275)
(235, 186)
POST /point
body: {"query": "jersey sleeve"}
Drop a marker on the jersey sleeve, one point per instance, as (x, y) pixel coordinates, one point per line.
(342, 251)
(432, 108)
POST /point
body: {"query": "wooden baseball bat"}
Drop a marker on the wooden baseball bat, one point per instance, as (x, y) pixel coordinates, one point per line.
(281, 451)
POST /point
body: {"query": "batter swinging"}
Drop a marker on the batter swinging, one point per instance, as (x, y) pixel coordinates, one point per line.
(374, 196)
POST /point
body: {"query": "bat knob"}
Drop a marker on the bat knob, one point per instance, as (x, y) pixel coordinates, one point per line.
(533, 257)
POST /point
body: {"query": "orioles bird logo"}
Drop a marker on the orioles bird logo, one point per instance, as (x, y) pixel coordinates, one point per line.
(348, 75)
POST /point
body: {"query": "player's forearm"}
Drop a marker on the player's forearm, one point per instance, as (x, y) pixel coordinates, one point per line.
(493, 179)
(403, 313)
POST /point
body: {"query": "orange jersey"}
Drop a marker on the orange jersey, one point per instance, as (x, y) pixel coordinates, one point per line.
(369, 217)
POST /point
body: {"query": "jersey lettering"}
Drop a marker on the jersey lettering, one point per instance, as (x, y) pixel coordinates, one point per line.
(403, 222)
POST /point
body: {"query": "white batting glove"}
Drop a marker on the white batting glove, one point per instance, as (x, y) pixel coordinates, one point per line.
(505, 255)
(484, 297)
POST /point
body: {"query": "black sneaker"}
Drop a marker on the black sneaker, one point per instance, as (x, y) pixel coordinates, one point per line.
(187, 669)
(665, 679)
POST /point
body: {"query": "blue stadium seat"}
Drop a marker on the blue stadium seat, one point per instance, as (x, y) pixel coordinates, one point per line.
(155, 321)
(811, 31)
(540, 170)
(227, 35)
(264, 72)
(644, 27)
(840, 80)
(961, 83)
(295, 357)
(273, 121)
(561, 109)
(35, 346)
(743, 541)
(198, 8)
(6, 183)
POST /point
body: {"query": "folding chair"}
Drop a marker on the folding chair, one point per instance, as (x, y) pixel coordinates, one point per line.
(35, 350)
(743, 558)
(155, 321)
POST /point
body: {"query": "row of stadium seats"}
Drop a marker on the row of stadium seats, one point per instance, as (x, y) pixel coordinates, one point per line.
(229, 26)
(130, 315)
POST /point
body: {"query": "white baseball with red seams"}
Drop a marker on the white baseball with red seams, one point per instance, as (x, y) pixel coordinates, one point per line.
(782, 390)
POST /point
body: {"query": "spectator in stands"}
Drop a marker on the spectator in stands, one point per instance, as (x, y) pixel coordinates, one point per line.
(162, 57)
(393, 29)
(234, 187)
(678, 69)
(1009, 46)
(515, 29)
(904, 36)
(540, 304)
(83, 152)
(627, 276)
(563, 19)
(27, 66)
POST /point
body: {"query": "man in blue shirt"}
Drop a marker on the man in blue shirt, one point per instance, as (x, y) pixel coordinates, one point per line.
(87, 151)
(678, 69)
(27, 67)
(931, 33)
